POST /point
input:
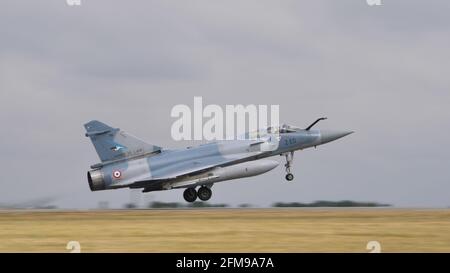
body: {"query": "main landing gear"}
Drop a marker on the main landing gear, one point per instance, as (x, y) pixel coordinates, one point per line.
(204, 193)
(289, 158)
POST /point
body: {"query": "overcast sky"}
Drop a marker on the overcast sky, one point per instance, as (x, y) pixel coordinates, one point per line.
(380, 71)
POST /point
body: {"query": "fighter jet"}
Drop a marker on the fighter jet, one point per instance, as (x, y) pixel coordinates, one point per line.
(128, 162)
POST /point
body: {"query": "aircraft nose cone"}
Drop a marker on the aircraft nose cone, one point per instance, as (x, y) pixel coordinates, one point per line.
(328, 135)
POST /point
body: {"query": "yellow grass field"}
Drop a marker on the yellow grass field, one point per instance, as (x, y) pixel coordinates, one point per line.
(227, 230)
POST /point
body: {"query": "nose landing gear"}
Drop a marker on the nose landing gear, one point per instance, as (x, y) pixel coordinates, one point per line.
(289, 158)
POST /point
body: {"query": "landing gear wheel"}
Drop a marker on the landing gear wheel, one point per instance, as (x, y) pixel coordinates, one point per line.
(190, 195)
(289, 177)
(204, 193)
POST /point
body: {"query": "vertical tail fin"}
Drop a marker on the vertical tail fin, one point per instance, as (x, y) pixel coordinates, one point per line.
(113, 144)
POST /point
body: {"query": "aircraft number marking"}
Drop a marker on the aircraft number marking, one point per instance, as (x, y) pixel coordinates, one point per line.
(290, 141)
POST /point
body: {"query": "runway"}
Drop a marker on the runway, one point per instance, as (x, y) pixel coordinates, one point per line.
(227, 230)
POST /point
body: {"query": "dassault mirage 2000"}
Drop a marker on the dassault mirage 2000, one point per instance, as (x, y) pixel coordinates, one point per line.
(127, 162)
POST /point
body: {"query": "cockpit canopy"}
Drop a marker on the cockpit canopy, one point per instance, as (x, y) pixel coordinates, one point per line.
(272, 130)
(283, 129)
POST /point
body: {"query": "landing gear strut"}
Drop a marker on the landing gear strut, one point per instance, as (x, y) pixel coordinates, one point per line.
(190, 195)
(289, 159)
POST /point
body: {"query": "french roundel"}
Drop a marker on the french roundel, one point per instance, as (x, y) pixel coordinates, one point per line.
(117, 174)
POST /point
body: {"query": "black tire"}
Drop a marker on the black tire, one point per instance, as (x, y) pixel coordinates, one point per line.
(204, 193)
(289, 177)
(190, 195)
